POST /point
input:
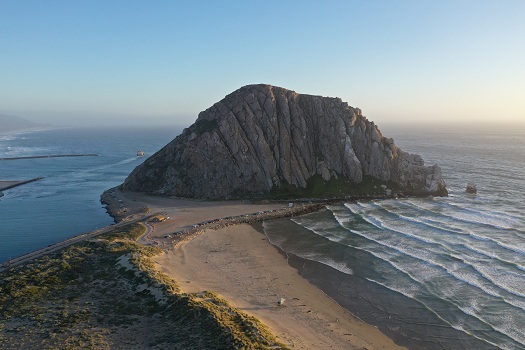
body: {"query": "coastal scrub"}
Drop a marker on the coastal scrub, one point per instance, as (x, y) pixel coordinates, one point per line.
(105, 293)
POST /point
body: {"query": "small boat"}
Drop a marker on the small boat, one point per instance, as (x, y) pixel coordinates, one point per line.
(140, 153)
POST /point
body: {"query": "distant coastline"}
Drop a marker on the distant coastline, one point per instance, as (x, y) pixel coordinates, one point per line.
(11, 123)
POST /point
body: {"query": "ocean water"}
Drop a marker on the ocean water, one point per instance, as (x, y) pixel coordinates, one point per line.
(432, 273)
(67, 201)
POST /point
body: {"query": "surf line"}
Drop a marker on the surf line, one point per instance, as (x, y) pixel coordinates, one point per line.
(52, 156)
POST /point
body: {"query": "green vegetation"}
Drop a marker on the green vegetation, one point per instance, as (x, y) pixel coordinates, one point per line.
(106, 293)
(316, 187)
(130, 232)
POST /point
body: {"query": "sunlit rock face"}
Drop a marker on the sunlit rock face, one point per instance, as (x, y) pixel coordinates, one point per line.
(262, 136)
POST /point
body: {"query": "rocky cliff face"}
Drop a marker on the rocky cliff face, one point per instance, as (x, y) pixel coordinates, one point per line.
(261, 137)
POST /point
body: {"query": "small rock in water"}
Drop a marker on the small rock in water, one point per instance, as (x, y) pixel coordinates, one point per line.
(471, 188)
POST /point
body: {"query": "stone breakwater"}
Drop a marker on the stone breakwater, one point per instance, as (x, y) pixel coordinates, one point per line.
(5, 185)
(187, 234)
(115, 201)
(51, 156)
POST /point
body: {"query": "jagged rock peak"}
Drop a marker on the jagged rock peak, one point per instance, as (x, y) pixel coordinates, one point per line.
(261, 137)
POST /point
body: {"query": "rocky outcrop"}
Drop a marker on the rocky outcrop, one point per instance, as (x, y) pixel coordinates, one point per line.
(471, 188)
(261, 137)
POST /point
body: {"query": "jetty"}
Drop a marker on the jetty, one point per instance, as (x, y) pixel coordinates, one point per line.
(7, 184)
(52, 156)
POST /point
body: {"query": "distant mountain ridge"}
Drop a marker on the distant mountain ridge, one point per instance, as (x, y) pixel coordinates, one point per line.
(14, 123)
(263, 138)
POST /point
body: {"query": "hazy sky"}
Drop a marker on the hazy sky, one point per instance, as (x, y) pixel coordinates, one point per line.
(87, 62)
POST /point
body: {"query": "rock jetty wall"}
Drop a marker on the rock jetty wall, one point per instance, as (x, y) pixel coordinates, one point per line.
(261, 136)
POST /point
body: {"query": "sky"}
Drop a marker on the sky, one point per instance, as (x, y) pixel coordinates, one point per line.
(88, 62)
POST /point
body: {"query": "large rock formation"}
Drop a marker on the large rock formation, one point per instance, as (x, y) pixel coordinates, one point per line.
(261, 137)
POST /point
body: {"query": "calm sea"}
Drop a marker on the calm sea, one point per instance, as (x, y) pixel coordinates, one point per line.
(67, 201)
(432, 273)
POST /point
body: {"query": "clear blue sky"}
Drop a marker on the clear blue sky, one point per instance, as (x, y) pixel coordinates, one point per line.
(88, 62)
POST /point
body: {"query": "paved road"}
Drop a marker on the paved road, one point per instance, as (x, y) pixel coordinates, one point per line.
(144, 239)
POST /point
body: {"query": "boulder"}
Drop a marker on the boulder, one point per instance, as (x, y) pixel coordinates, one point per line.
(471, 188)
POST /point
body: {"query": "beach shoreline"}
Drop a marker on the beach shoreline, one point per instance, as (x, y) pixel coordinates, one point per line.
(240, 265)
(309, 317)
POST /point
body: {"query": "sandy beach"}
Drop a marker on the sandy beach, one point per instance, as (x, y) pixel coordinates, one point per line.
(240, 265)
(237, 262)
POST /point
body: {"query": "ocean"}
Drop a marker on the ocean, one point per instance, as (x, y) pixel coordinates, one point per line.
(432, 273)
(67, 201)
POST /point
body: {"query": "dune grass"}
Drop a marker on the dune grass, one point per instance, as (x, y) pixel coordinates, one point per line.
(107, 294)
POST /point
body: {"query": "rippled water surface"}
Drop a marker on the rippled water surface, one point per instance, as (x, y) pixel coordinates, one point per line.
(67, 201)
(432, 273)
(456, 262)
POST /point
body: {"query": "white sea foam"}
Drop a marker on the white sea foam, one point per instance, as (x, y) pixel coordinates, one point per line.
(312, 256)
(434, 238)
(464, 212)
(423, 274)
(513, 283)
(452, 291)
(4, 138)
(338, 265)
(499, 322)
(21, 151)
(427, 275)
(452, 226)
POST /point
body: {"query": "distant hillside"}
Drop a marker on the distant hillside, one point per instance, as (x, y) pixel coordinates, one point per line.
(13, 123)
